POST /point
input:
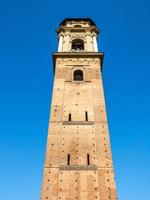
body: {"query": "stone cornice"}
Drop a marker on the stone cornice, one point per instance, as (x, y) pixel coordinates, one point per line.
(78, 123)
(78, 167)
(84, 54)
(82, 29)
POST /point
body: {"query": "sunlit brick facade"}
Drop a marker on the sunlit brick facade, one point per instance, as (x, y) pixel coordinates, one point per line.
(78, 164)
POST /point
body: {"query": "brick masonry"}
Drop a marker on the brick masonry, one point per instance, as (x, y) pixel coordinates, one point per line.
(89, 174)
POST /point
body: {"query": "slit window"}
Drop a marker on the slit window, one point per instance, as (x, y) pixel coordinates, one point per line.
(88, 159)
(68, 159)
(78, 75)
(86, 116)
(69, 117)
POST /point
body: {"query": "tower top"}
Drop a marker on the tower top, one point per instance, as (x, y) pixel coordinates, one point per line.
(75, 24)
(78, 20)
(77, 35)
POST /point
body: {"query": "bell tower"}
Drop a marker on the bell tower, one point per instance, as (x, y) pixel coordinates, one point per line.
(78, 164)
(77, 36)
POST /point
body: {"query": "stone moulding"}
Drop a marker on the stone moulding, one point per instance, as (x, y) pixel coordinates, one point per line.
(78, 123)
(57, 55)
(78, 167)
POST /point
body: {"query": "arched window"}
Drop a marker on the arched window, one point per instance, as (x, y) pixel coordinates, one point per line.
(78, 75)
(77, 45)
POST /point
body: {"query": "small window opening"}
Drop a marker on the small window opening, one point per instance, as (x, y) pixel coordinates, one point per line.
(77, 45)
(86, 116)
(77, 26)
(88, 159)
(69, 117)
(68, 160)
(78, 75)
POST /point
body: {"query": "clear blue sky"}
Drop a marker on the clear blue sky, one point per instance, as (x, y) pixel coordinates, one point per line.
(27, 38)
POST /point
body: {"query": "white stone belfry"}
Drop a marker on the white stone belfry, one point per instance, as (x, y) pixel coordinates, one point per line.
(78, 37)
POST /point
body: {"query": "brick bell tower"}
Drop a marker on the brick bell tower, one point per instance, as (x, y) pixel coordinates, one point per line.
(78, 163)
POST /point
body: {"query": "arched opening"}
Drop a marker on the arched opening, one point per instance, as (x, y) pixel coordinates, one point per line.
(77, 45)
(78, 75)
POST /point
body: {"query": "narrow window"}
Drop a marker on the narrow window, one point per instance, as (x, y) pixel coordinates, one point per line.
(86, 116)
(77, 26)
(68, 160)
(78, 75)
(69, 117)
(88, 159)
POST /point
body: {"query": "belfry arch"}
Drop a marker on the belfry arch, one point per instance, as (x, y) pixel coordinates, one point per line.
(77, 45)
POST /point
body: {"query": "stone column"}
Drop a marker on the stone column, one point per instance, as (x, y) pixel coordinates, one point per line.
(95, 44)
(66, 46)
(60, 45)
(89, 45)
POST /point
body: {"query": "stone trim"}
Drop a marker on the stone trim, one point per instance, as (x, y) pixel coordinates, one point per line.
(94, 55)
(78, 123)
(78, 167)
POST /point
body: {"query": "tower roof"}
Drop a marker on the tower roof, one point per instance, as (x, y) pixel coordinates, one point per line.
(78, 19)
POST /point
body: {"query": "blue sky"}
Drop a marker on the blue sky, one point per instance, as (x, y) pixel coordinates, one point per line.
(27, 38)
